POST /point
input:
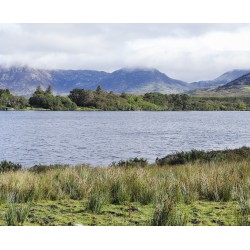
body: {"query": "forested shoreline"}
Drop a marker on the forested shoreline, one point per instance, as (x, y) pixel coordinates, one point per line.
(99, 99)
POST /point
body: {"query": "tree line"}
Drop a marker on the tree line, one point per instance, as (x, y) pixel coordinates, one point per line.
(81, 99)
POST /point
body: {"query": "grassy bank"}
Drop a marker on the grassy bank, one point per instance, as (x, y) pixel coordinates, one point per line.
(191, 192)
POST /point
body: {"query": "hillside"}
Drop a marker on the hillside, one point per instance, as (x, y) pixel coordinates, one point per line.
(24, 80)
(223, 79)
(237, 87)
(142, 81)
(241, 81)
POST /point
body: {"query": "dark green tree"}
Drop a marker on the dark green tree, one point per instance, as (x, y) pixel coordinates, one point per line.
(99, 90)
(82, 98)
(48, 91)
(38, 91)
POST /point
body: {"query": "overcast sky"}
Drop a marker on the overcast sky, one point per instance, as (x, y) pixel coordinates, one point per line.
(188, 52)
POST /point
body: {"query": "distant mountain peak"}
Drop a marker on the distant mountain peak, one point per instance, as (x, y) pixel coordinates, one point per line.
(23, 80)
(134, 69)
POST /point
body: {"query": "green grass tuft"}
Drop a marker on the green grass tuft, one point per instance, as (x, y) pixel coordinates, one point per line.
(16, 214)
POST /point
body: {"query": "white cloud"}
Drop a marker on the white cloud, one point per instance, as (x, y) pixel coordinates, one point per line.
(184, 51)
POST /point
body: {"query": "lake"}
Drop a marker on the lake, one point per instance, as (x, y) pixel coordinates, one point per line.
(98, 138)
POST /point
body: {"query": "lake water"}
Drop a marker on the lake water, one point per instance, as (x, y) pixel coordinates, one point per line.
(98, 138)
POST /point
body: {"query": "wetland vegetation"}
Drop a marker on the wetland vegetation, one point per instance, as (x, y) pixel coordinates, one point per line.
(199, 188)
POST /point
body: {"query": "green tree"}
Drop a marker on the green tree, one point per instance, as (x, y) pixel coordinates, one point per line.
(99, 90)
(47, 100)
(38, 91)
(83, 98)
(48, 91)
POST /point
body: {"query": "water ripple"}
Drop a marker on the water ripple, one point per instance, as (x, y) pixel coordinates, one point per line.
(98, 138)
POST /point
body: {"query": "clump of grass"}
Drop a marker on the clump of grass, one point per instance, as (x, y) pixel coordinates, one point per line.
(141, 188)
(241, 217)
(119, 193)
(167, 214)
(13, 197)
(16, 214)
(72, 185)
(217, 190)
(147, 195)
(20, 187)
(22, 213)
(96, 200)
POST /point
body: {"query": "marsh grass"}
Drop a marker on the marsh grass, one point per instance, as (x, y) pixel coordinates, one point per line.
(216, 181)
(242, 214)
(198, 181)
(119, 193)
(96, 201)
(16, 214)
(168, 214)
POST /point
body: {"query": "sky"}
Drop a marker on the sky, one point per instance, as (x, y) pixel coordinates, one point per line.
(188, 52)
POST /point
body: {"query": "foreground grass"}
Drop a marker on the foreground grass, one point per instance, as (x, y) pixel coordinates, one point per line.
(73, 212)
(199, 190)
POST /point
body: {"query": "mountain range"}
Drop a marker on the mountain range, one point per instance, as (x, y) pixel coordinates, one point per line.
(23, 80)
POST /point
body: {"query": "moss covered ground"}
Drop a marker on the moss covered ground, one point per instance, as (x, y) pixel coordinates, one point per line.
(72, 213)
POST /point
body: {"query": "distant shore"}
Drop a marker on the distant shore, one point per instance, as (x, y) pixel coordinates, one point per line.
(99, 99)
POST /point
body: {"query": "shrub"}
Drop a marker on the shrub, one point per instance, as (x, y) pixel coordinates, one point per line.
(132, 162)
(44, 168)
(7, 166)
(203, 156)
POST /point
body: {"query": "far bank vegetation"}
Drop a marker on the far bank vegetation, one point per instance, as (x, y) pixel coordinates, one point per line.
(99, 99)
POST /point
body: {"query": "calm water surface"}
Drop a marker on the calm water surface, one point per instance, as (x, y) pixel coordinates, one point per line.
(98, 138)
